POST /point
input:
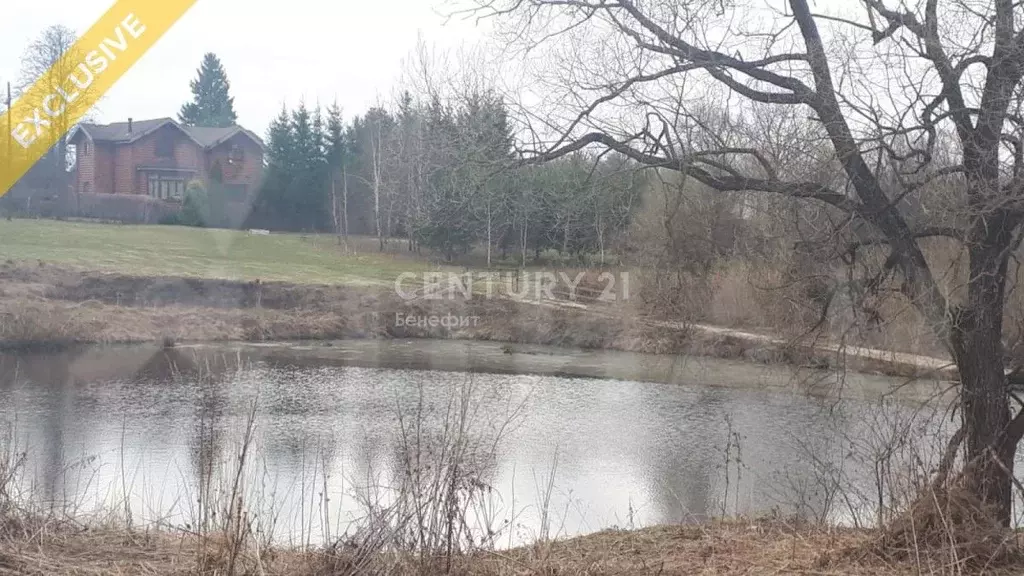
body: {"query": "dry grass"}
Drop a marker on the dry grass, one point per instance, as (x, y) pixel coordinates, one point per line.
(51, 305)
(947, 539)
(57, 305)
(721, 548)
(25, 321)
(951, 521)
(735, 547)
(756, 294)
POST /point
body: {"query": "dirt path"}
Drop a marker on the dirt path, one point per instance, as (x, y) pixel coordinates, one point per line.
(916, 362)
(943, 366)
(923, 362)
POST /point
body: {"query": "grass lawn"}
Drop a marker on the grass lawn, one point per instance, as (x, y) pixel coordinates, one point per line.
(181, 251)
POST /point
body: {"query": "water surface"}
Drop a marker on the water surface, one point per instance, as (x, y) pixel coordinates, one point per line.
(575, 454)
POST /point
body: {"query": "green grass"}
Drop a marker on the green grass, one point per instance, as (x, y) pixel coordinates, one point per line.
(180, 251)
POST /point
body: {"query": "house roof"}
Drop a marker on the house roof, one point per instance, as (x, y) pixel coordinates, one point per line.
(118, 132)
(210, 137)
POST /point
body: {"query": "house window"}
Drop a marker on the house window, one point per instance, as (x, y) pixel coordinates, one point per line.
(166, 187)
(165, 145)
(236, 155)
(85, 147)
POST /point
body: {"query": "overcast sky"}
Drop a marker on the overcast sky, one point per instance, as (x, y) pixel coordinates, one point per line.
(274, 51)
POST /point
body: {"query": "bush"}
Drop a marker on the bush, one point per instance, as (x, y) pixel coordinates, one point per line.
(195, 208)
(126, 208)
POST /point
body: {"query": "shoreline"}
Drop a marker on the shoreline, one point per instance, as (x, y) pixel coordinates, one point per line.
(99, 362)
(52, 308)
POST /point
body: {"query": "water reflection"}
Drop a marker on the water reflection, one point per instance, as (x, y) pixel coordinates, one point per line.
(161, 428)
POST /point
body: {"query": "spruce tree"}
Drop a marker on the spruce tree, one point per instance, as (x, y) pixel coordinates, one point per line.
(273, 203)
(211, 103)
(335, 136)
(337, 173)
(445, 226)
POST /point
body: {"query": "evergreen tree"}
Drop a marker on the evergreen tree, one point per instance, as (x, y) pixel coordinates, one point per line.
(446, 224)
(409, 179)
(211, 103)
(485, 150)
(337, 169)
(302, 183)
(296, 188)
(273, 200)
(437, 174)
(335, 137)
(313, 183)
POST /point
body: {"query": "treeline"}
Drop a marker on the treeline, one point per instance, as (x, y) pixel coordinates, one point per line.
(438, 175)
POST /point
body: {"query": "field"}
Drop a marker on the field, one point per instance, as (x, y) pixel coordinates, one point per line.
(203, 253)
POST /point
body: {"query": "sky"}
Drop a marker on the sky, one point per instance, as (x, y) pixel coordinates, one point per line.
(275, 52)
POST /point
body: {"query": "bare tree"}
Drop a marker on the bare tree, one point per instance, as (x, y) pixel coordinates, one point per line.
(882, 84)
(44, 62)
(49, 61)
(379, 126)
(344, 200)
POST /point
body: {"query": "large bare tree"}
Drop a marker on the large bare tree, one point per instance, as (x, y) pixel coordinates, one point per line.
(46, 60)
(885, 82)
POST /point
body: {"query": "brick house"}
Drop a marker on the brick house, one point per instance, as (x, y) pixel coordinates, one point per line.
(160, 157)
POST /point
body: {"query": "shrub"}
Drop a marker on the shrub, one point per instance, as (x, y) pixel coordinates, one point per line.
(195, 208)
(126, 208)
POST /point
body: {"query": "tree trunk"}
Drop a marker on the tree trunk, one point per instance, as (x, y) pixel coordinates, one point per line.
(334, 209)
(376, 212)
(377, 151)
(565, 238)
(978, 351)
(344, 203)
(488, 234)
(522, 241)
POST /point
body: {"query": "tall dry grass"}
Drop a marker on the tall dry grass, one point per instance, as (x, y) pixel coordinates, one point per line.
(25, 321)
(778, 293)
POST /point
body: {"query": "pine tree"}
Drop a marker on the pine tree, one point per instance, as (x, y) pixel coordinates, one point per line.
(302, 183)
(273, 202)
(335, 138)
(485, 149)
(318, 186)
(337, 170)
(411, 165)
(446, 203)
(211, 103)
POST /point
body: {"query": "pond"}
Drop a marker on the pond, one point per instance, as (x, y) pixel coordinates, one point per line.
(145, 432)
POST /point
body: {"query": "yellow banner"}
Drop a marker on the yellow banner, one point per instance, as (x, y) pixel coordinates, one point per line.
(58, 100)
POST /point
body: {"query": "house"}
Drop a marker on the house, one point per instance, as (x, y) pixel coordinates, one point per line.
(160, 157)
